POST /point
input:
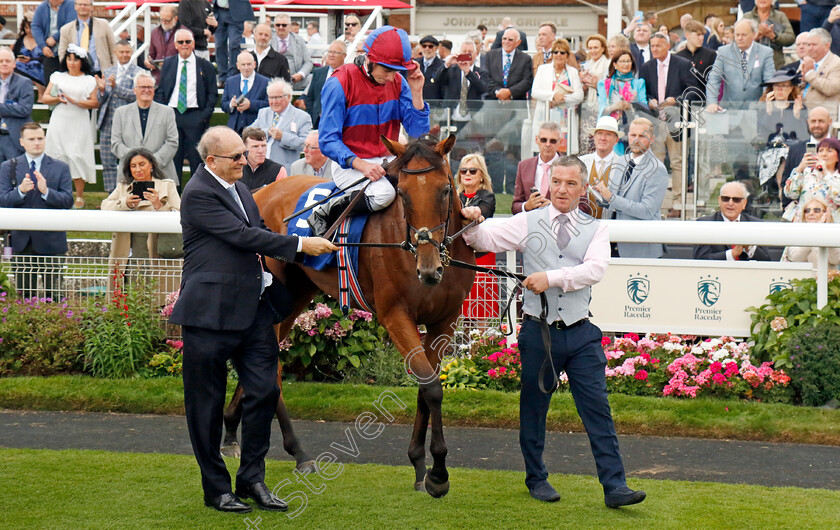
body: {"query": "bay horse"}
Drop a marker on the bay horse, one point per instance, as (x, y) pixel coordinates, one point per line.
(403, 288)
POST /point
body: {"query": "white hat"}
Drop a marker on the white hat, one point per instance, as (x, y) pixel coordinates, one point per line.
(606, 123)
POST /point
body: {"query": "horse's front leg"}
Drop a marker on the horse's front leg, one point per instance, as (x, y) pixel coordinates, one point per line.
(232, 417)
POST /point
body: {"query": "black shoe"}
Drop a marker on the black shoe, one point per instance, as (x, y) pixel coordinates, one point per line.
(623, 496)
(227, 502)
(323, 217)
(262, 496)
(544, 492)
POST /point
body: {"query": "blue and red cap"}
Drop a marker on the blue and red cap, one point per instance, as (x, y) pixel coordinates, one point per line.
(389, 46)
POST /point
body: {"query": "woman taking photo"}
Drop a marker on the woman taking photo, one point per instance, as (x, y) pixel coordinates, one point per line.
(71, 132)
(557, 89)
(620, 90)
(815, 177)
(592, 70)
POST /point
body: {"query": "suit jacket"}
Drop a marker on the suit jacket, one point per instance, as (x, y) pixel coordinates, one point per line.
(240, 10)
(161, 136)
(295, 125)
(523, 38)
(312, 97)
(824, 85)
(41, 22)
(274, 65)
(298, 56)
(538, 60)
(117, 96)
(526, 175)
(719, 251)
(637, 55)
(679, 85)
(431, 90)
(640, 198)
(205, 85)
(302, 168)
(60, 197)
(103, 36)
(17, 109)
(520, 75)
(222, 275)
(256, 95)
(449, 82)
(739, 88)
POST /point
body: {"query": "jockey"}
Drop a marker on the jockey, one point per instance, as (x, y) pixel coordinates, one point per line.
(362, 100)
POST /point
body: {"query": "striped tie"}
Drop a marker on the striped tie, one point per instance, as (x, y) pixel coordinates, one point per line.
(182, 89)
(744, 62)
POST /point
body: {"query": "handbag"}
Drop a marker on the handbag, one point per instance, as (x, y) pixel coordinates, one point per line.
(170, 246)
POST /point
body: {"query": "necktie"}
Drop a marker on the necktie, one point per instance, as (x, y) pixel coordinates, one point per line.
(506, 69)
(808, 85)
(276, 121)
(462, 102)
(32, 169)
(244, 87)
(544, 181)
(84, 41)
(627, 172)
(282, 46)
(662, 79)
(743, 62)
(232, 191)
(182, 89)
(563, 236)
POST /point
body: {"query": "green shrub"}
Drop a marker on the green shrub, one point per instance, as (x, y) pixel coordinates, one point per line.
(815, 360)
(168, 363)
(383, 365)
(461, 374)
(38, 337)
(6, 286)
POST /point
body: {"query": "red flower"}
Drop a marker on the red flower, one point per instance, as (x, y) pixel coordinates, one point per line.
(716, 367)
(641, 375)
(719, 379)
(605, 341)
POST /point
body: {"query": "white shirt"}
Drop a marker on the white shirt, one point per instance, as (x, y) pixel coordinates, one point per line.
(541, 167)
(645, 53)
(192, 98)
(261, 55)
(37, 161)
(601, 164)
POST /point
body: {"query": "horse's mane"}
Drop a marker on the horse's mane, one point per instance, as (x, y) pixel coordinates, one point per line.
(423, 147)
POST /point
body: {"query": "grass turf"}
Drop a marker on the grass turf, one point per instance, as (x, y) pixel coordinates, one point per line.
(703, 418)
(97, 489)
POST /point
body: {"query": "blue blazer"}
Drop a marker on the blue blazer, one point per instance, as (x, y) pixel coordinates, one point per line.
(222, 276)
(256, 95)
(41, 22)
(312, 98)
(240, 10)
(205, 87)
(17, 109)
(60, 197)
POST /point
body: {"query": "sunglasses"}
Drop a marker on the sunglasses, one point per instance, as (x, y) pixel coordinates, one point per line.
(470, 170)
(183, 42)
(350, 24)
(280, 25)
(815, 210)
(558, 52)
(552, 141)
(736, 200)
(428, 45)
(236, 157)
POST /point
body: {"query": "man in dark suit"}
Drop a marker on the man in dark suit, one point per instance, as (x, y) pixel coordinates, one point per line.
(247, 91)
(269, 63)
(193, 99)
(430, 65)
(333, 59)
(732, 201)
(231, 14)
(668, 81)
(507, 71)
(507, 24)
(532, 174)
(640, 47)
(34, 180)
(15, 105)
(461, 85)
(227, 305)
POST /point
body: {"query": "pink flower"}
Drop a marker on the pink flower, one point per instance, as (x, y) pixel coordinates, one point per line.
(716, 367)
(502, 370)
(641, 375)
(493, 373)
(731, 369)
(312, 332)
(631, 336)
(719, 379)
(605, 341)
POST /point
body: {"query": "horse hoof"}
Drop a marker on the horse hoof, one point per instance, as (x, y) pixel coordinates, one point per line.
(307, 466)
(231, 451)
(434, 489)
(419, 486)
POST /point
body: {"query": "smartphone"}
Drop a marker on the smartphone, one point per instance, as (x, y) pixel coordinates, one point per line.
(21, 57)
(463, 57)
(534, 189)
(811, 148)
(640, 16)
(138, 188)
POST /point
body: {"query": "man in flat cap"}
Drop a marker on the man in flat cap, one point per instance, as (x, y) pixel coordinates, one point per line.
(431, 66)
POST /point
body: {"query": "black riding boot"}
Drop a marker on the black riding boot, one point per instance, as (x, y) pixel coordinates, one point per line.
(323, 217)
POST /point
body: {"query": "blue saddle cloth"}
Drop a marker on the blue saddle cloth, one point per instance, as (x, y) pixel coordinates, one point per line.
(299, 227)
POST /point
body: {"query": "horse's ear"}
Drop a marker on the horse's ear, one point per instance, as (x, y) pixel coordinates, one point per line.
(443, 148)
(397, 149)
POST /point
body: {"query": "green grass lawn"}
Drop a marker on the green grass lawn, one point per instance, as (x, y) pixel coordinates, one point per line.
(703, 418)
(97, 489)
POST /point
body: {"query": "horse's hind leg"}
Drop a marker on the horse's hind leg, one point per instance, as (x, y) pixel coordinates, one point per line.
(233, 415)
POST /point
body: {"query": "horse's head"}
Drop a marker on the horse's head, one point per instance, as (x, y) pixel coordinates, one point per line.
(426, 189)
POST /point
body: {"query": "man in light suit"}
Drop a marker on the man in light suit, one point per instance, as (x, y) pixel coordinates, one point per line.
(294, 49)
(333, 59)
(637, 185)
(743, 66)
(285, 125)
(15, 105)
(230, 14)
(91, 34)
(226, 308)
(34, 180)
(116, 88)
(517, 82)
(532, 174)
(821, 73)
(247, 90)
(732, 201)
(146, 124)
(195, 103)
(313, 162)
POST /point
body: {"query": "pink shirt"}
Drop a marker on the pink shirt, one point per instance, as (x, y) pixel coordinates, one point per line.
(513, 231)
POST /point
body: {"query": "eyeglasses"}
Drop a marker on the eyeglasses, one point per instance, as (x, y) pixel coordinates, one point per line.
(183, 42)
(333, 52)
(558, 52)
(428, 45)
(145, 87)
(552, 141)
(815, 210)
(470, 170)
(736, 200)
(275, 98)
(311, 147)
(280, 25)
(235, 157)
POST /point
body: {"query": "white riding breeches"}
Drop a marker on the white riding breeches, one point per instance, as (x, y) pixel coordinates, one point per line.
(378, 194)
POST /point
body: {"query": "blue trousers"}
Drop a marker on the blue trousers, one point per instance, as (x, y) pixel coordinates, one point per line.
(228, 44)
(578, 351)
(812, 16)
